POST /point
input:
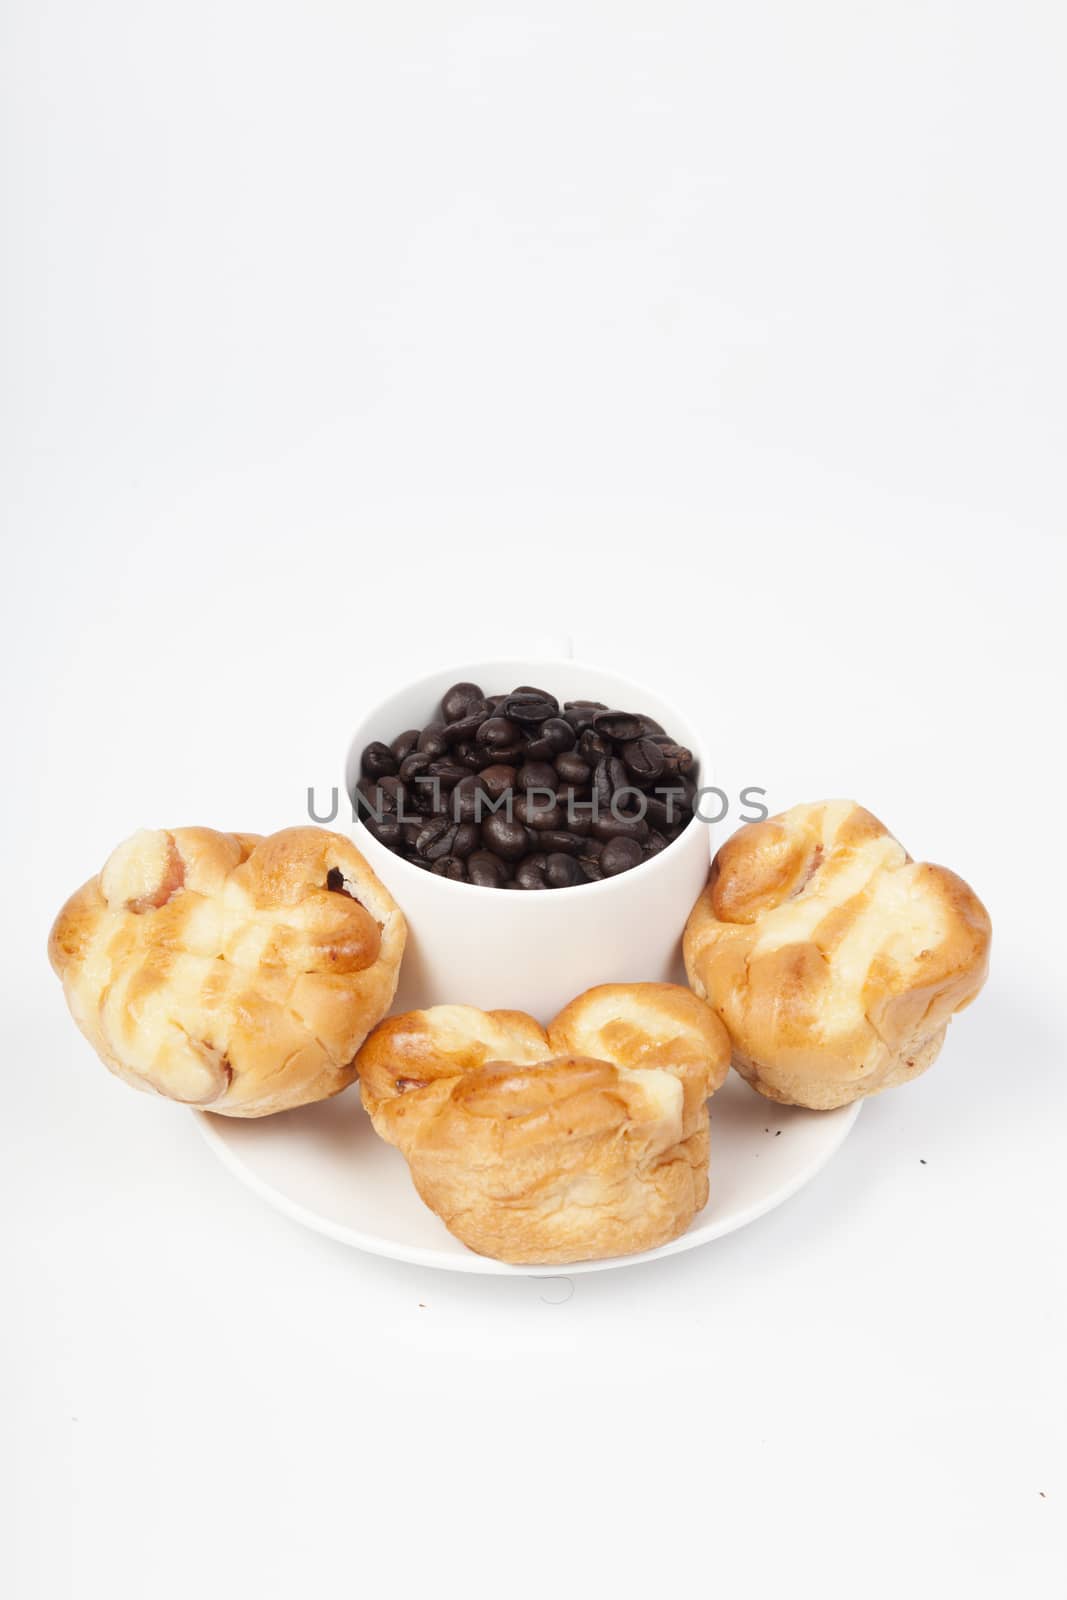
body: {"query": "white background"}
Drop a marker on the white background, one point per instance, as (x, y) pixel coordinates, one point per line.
(345, 339)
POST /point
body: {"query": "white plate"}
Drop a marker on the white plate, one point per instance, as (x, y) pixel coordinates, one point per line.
(325, 1166)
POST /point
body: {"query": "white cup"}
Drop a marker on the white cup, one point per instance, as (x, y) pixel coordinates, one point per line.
(511, 949)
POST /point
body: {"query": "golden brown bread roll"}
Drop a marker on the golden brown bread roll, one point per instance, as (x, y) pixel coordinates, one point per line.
(834, 960)
(588, 1140)
(228, 971)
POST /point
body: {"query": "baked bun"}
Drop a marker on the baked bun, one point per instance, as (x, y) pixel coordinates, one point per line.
(834, 959)
(588, 1140)
(229, 971)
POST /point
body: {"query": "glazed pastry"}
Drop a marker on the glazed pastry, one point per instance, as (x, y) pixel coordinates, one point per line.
(588, 1140)
(229, 971)
(834, 959)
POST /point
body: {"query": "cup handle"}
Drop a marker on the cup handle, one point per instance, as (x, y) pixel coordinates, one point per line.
(554, 647)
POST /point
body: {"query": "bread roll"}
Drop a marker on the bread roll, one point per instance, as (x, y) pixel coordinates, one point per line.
(834, 959)
(229, 971)
(586, 1140)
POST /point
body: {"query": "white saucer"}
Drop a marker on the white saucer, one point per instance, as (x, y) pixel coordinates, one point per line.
(325, 1166)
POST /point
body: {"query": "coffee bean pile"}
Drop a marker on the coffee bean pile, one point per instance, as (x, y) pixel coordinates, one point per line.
(509, 791)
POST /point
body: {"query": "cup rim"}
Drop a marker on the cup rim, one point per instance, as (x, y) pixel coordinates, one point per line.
(696, 743)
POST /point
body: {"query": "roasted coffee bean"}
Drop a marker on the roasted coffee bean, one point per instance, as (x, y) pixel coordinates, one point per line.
(405, 743)
(448, 773)
(497, 780)
(497, 733)
(580, 713)
(609, 778)
(572, 768)
(460, 700)
(364, 799)
(619, 856)
(655, 843)
(450, 867)
(622, 726)
(472, 756)
(572, 794)
(592, 849)
(644, 760)
(381, 797)
(432, 740)
(677, 760)
(594, 872)
(655, 811)
(428, 796)
(667, 806)
(467, 727)
(397, 792)
(468, 838)
(562, 871)
(537, 775)
(508, 839)
(436, 839)
(413, 764)
(628, 801)
(487, 870)
(577, 814)
(603, 789)
(553, 737)
(559, 839)
(506, 755)
(538, 809)
(378, 761)
(530, 872)
(594, 747)
(608, 826)
(465, 798)
(559, 734)
(388, 832)
(529, 705)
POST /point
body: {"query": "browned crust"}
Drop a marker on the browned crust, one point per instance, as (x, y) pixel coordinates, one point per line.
(586, 1139)
(834, 960)
(221, 970)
